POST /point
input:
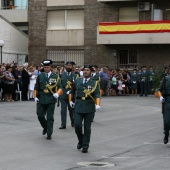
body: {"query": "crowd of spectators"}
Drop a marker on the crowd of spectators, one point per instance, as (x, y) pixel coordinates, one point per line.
(115, 82)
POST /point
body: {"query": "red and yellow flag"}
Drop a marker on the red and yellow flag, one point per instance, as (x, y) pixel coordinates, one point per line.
(134, 27)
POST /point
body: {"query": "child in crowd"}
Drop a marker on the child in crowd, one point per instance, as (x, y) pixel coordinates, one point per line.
(120, 82)
(114, 85)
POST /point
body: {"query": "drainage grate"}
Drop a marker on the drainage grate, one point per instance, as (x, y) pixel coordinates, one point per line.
(95, 164)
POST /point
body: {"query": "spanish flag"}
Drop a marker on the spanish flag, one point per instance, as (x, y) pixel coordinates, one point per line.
(134, 27)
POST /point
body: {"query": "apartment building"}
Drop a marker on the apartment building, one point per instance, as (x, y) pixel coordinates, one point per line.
(117, 33)
(14, 30)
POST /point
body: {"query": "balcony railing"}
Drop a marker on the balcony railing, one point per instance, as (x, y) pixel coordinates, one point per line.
(13, 7)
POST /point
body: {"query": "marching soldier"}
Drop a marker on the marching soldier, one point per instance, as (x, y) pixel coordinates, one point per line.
(67, 81)
(87, 101)
(95, 76)
(151, 74)
(47, 90)
(143, 81)
(164, 95)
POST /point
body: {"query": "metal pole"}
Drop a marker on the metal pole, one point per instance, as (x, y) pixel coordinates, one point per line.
(1, 54)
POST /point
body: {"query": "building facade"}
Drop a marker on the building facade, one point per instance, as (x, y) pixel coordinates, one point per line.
(72, 30)
(14, 30)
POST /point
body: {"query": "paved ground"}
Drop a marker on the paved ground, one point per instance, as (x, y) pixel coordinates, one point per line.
(127, 132)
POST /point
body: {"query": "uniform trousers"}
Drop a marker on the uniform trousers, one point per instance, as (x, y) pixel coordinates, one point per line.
(45, 114)
(143, 88)
(78, 119)
(64, 105)
(166, 115)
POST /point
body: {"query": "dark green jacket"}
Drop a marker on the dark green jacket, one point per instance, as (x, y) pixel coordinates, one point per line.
(87, 105)
(42, 80)
(144, 76)
(151, 75)
(65, 78)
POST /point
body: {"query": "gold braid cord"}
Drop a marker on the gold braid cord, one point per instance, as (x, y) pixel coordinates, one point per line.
(51, 87)
(89, 92)
(68, 86)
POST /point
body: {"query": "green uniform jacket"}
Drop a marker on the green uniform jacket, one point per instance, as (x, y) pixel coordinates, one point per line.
(134, 81)
(151, 75)
(87, 105)
(65, 78)
(42, 80)
(97, 78)
(144, 76)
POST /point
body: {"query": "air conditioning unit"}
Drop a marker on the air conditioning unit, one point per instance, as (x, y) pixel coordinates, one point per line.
(143, 6)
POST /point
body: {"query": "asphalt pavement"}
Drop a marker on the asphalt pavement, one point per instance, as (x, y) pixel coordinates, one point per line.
(127, 134)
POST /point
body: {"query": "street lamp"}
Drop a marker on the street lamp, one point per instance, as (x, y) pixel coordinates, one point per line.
(1, 45)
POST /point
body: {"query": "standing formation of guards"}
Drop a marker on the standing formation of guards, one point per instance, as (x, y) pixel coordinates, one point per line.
(80, 95)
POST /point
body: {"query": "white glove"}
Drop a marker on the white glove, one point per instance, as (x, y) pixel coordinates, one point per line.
(56, 95)
(36, 99)
(68, 92)
(72, 104)
(98, 107)
(162, 100)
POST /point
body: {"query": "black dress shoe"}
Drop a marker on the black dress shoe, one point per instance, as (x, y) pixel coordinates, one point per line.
(72, 124)
(166, 139)
(62, 127)
(44, 131)
(48, 137)
(79, 145)
(85, 150)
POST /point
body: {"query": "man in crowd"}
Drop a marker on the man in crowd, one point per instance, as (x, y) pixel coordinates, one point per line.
(67, 81)
(104, 77)
(151, 74)
(47, 90)
(144, 82)
(25, 82)
(87, 101)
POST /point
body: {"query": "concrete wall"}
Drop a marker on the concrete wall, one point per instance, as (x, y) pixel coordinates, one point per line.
(15, 15)
(141, 38)
(65, 38)
(64, 2)
(16, 42)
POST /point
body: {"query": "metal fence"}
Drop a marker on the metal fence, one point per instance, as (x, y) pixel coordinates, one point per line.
(60, 57)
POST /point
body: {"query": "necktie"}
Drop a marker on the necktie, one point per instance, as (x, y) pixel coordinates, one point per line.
(91, 75)
(47, 75)
(85, 81)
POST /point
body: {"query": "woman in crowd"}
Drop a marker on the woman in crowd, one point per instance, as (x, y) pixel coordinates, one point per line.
(114, 84)
(14, 73)
(9, 84)
(125, 85)
(1, 82)
(32, 83)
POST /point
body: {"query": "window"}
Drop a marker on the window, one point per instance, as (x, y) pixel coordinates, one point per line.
(128, 14)
(65, 19)
(127, 58)
(15, 4)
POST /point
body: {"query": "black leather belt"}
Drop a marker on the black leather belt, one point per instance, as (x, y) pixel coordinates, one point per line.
(83, 98)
